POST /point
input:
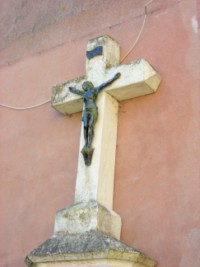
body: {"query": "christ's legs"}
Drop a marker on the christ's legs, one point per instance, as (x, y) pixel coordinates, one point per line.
(90, 135)
(86, 135)
(90, 129)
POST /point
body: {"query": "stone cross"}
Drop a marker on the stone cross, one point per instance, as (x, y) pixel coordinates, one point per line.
(88, 232)
(138, 78)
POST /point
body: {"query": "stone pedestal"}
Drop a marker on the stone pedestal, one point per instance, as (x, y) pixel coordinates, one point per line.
(85, 217)
(91, 248)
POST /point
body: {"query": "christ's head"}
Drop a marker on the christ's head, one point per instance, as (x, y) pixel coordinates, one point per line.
(87, 85)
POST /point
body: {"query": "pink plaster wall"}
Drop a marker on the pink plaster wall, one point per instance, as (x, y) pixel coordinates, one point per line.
(157, 183)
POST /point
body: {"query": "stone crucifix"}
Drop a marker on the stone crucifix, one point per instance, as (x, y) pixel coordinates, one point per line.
(88, 232)
(138, 78)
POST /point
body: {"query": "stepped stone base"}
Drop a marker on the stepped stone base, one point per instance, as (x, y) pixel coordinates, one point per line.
(86, 234)
(87, 216)
(91, 248)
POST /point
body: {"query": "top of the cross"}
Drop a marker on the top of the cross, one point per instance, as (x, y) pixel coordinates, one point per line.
(103, 40)
(102, 53)
(138, 78)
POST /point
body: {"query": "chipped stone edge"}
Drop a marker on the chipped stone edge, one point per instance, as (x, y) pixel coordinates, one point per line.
(75, 102)
(135, 257)
(64, 253)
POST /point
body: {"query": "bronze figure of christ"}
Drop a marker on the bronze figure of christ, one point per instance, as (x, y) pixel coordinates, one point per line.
(90, 113)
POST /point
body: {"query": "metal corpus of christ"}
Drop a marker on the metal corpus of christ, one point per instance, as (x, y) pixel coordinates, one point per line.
(90, 113)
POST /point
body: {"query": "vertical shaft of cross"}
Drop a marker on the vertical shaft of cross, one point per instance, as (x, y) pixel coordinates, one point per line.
(96, 181)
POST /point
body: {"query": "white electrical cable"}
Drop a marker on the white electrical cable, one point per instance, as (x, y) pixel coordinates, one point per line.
(24, 108)
(140, 32)
(130, 50)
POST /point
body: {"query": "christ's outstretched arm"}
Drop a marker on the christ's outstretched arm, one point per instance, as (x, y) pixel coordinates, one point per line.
(109, 82)
(76, 91)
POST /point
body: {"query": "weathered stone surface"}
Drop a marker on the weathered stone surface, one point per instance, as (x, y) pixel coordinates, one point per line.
(83, 217)
(138, 78)
(96, 67)
(61, 95)
(91, 245)
(85, 230)
(96, 182)
(91, 263)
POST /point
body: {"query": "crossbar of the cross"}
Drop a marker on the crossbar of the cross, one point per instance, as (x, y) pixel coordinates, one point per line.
(138, 78)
